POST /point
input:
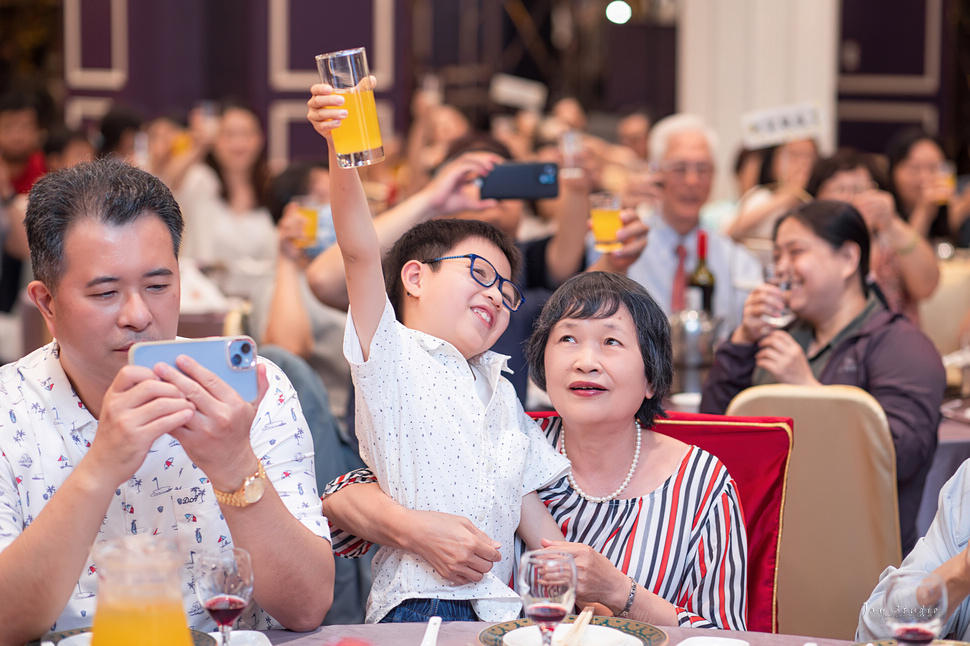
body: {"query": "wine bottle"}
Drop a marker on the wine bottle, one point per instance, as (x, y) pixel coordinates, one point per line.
(701, 278)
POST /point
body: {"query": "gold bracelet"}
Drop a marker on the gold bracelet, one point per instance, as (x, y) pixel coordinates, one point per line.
(909, 246)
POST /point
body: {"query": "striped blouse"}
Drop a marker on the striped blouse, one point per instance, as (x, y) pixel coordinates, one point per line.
(685, 541)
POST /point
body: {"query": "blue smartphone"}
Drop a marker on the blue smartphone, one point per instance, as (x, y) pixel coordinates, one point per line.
(231, 358)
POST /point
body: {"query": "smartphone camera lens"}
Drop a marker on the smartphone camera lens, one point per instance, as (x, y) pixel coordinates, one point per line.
(241, 353)
(548, 175)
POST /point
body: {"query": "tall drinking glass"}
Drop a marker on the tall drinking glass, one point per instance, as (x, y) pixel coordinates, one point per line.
(915, 607)
(547, 583)
(357, 140)
(782, 282)
(605, 216)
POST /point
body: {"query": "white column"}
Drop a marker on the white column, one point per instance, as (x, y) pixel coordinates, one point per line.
(735, 56)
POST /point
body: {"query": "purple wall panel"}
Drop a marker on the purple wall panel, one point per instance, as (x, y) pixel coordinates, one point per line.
(166, 56)
(96, 33)
(183, 51)
(318, 29)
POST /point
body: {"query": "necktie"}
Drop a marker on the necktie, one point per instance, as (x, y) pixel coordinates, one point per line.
(680, 281)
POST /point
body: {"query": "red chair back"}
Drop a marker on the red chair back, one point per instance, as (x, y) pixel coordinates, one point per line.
(755, 451)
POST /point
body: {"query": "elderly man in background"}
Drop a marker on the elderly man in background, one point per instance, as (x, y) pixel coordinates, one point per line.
(682, 149)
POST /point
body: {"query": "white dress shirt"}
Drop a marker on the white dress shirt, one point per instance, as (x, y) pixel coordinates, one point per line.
(735, 270)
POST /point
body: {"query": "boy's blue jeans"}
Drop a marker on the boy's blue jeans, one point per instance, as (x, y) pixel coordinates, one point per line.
(422, 610)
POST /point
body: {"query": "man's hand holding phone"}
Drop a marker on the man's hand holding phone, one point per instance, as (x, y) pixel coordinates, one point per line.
(224, 384)
(136, 410)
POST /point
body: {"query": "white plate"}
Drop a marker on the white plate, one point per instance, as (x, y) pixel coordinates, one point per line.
(592, 636)
(712, 641)
(244, 638)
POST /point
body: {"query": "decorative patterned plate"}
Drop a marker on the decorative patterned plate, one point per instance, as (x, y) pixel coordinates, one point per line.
(198, 639)
(649, 635)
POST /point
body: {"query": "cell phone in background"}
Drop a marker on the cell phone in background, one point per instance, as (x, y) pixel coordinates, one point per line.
(521, 181)
(231, 358)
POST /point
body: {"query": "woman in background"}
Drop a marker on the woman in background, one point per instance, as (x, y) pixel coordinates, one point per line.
(902, 262)
(923, 187)
(227, 224)
(781, 185)
(842, 334)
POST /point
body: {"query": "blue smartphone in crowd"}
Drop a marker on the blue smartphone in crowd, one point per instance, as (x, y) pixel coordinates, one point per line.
(521, 181)
(231, 358)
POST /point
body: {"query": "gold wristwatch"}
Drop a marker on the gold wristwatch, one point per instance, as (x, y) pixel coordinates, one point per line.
(251, 491)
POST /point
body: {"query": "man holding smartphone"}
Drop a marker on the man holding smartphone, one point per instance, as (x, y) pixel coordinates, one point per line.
(128, 449)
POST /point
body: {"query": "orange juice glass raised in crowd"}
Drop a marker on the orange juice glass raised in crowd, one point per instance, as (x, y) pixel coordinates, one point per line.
(308, 209)
(357, 140)
(605, 215)
(139, 594)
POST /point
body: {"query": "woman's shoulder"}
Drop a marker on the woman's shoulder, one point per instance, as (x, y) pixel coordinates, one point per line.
(200, 181)
(704, 471)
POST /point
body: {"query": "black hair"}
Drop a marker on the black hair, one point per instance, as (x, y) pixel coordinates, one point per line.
(844, 160)
(293, 181)
(837, 223)
(898, 148)
(114, 124)
(597, 294)
(259, 176)
(18, 101)
(433, 239)
(108, 190)
(743, 155)
(767, 174)
(476, 142)
(59, 139)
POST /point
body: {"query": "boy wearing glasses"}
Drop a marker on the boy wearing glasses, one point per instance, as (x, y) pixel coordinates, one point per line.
(437, 423)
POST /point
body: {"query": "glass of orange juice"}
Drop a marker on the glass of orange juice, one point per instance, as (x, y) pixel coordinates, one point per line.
(308, 209)
(357, 139)
(605, 215)
(947, 179)
(139, 594)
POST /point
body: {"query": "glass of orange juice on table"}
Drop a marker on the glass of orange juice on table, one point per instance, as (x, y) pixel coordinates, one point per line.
(139, 594)
(605, 215)
(357, 140)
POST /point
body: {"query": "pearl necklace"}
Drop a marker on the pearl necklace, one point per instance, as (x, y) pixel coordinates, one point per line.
(626, 481)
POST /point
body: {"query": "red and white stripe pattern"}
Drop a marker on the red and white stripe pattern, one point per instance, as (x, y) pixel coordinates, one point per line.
(685, 541)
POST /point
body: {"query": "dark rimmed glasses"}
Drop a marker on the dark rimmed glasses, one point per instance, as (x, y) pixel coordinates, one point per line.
(486, 275)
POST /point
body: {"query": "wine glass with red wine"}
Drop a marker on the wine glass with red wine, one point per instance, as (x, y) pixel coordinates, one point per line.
(547, 583)
(224, 585)
(915, 607)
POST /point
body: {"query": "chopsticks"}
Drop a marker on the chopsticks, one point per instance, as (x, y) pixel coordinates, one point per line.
(575, 634)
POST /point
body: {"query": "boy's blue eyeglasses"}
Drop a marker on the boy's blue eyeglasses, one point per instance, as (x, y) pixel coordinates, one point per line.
(486, 275)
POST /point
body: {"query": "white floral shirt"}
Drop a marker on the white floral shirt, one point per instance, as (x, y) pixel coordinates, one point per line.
(435, 445)
(45, 431)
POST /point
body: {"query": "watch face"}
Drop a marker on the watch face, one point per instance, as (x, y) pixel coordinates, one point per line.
(254, 490)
